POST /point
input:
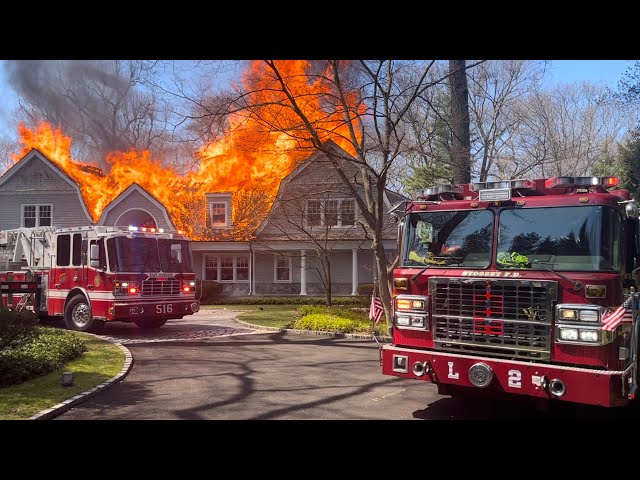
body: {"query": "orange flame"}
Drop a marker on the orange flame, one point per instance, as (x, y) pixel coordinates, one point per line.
(250, 161)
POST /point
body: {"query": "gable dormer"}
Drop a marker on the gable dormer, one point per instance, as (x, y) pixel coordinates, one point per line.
(219, 210)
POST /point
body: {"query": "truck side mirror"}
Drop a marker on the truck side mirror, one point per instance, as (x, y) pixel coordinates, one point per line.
(94, 256)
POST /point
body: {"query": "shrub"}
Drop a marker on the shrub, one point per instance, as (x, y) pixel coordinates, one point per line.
(46, 350)
(16, 327)
(357, 315)
(208, 290)
(331, 323)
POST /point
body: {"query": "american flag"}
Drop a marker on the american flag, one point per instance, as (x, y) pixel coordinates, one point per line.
(376, 311)
(611, 320)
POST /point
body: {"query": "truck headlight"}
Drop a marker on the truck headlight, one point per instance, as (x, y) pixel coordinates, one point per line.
(572, 313)
(568, 333)
(411, 311)
(588, 336)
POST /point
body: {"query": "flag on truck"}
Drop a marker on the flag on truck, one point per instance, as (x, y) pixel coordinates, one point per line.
(376, 311)
(611, 320)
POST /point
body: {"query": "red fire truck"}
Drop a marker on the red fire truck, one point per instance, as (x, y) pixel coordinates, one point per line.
(96, 274)
(523, 287)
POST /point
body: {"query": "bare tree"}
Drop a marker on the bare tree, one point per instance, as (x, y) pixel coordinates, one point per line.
(7, 147)
(103, 105)
(496, 88)
(357, 104)
(564, 130)
(319, 214)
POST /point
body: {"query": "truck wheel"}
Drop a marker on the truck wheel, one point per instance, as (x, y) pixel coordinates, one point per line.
(150, 323)
(77, 316)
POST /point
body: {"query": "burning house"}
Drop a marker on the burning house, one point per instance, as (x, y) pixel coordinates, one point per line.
(285, 229)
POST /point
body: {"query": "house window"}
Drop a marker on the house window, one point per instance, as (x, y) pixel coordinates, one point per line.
(36, 215)
(347, 213)
(331, 213)
(218, 214)
(242, 268)
(226, 268)
(282, 268)
(314, 213)
(211, 268)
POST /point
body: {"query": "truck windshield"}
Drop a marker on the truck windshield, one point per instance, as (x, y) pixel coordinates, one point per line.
(561, 238)
(141, 254)
(439, 239)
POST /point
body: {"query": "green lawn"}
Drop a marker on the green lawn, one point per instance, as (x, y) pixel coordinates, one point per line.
(102, 361)
(278, 316)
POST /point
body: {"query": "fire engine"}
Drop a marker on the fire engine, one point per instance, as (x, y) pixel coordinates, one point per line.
(95, 274)
(521, 287)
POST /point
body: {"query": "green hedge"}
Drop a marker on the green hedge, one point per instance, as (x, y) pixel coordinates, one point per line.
(15, 327)
(45, 350)
(208, 291)
(360, 315)
(331, 323)
(355, 301)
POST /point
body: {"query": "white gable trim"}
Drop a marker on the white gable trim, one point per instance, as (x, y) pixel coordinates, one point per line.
(33, 153)
(132, 209)
(135, 187)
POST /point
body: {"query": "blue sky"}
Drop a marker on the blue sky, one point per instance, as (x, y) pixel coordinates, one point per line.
(561, 71)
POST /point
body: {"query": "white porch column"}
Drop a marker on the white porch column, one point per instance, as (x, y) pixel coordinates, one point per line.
(354, 271)
(252, 276)
(303, 272)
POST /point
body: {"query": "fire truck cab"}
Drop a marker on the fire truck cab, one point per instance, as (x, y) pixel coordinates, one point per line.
(95, 274)
(524, 287)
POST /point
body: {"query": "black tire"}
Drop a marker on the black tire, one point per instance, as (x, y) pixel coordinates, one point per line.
(77, 316)
(152, 323)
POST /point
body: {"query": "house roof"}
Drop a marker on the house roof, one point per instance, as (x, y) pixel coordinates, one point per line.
(135, 187)
(36, 154)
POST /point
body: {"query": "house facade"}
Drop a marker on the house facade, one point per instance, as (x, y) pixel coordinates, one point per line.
(312, 236)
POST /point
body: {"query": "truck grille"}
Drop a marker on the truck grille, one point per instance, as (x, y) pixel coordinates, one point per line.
(155, 287)
(507, 318)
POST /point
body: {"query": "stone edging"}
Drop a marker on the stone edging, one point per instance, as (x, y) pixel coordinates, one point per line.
(361, 336)
(62, 407)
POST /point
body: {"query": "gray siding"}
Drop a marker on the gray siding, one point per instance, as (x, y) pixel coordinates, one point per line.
(135, 200)
(35, 183)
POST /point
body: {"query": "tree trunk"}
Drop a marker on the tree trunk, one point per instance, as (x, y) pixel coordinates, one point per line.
(328, 270)
(461, 148)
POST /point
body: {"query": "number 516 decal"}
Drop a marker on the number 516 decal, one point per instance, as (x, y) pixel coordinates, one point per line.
(164, 308)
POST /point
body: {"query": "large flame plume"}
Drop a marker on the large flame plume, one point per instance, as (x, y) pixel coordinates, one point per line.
(250, 161)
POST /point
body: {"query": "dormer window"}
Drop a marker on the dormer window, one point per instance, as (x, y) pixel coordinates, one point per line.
(219, 210)
(218, 214)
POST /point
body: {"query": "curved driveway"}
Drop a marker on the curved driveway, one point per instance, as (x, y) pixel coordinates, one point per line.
(209, 367)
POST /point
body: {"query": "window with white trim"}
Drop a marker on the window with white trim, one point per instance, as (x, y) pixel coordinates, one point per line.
(226, 268)
(211, 267)
(314, 213)
(339, 212)
(36, 215)
(218, 214)
(282, 268)
(242, 269)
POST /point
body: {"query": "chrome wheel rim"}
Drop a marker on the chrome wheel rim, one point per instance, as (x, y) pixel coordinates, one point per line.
(80, 315)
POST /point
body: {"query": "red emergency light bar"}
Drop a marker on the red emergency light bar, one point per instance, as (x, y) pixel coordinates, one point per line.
(605, 182)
